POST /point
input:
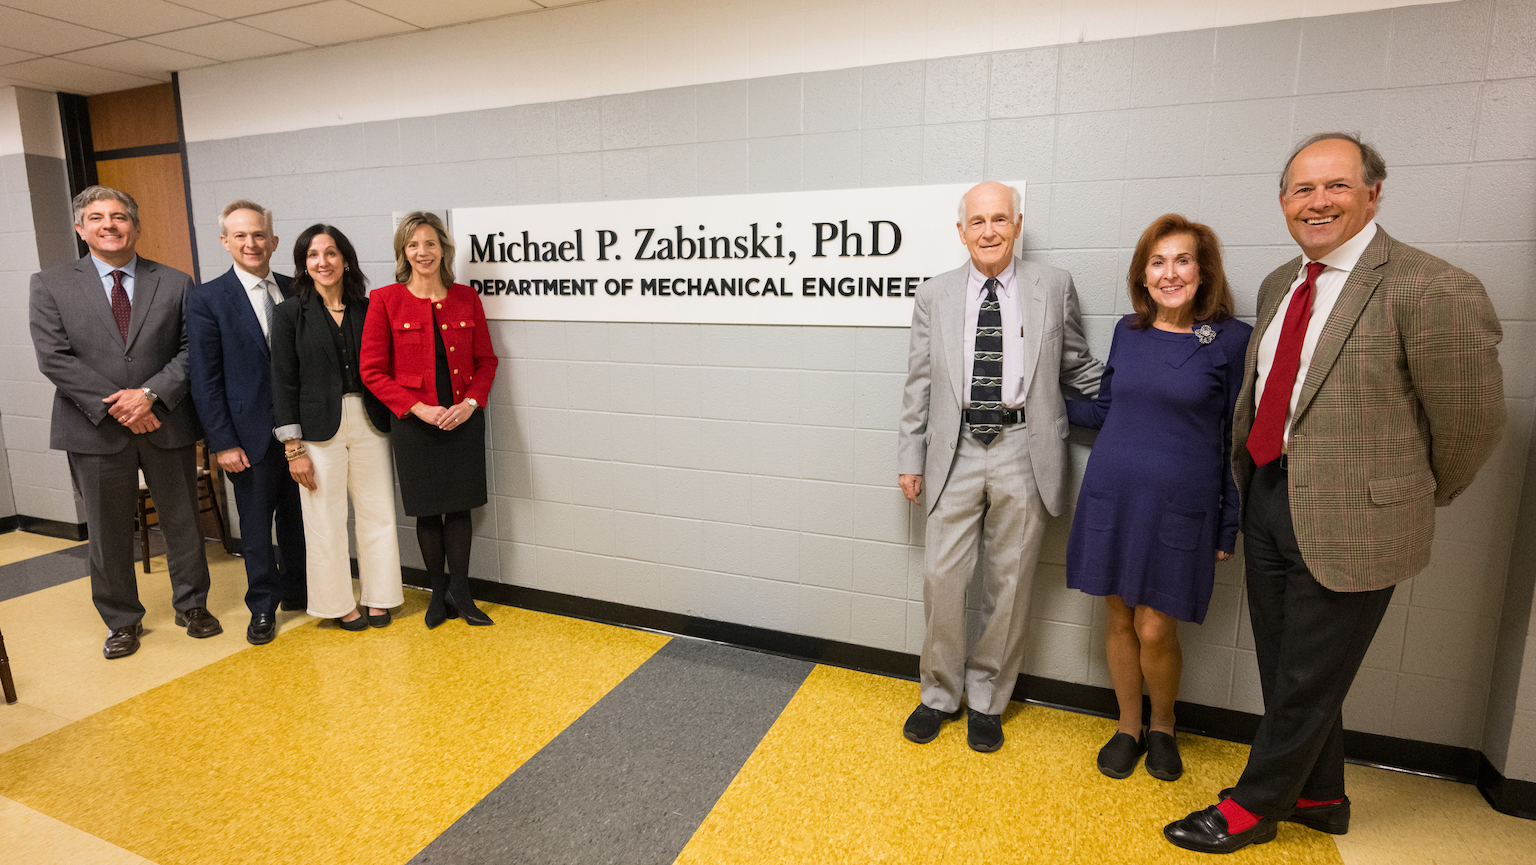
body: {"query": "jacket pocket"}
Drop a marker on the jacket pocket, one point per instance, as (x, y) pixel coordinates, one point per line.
(1097, 509)
(1403, 488)
(1179, 528)
(409, 332)
(408, 381)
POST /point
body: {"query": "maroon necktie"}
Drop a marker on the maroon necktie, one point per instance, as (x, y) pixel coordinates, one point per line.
(1268, 433)
(121, 310)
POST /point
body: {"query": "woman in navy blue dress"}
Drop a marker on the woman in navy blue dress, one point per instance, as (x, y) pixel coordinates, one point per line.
(1158, 505)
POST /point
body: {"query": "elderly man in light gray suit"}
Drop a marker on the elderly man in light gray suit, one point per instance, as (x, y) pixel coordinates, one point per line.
(108, 333)
(983, 431)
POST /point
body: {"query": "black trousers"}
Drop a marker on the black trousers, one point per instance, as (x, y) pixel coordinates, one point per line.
(1310, 641)
(109, 489)
(263, 491)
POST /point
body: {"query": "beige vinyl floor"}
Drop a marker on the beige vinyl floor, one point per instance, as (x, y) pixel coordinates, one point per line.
(75, 793)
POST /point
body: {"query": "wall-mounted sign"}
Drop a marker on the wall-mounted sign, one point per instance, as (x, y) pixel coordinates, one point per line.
(840, 257)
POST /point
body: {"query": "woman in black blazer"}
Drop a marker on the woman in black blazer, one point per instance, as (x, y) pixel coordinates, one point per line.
(334, 432)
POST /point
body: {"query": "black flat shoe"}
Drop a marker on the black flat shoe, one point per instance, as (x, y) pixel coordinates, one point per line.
(358, 624)
(1118, 757)
(382, 620)
(983, 732)
(923, 724)
(1206, 832)
(1333, 819)
(1163, 760)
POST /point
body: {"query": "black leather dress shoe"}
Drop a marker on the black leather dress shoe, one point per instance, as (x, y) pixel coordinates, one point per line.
(199, 623)
(983, 732)
(923, 724)
(262, 630)
(1333, 819)
(1206, 832)
(122, 642)
(1118, 757)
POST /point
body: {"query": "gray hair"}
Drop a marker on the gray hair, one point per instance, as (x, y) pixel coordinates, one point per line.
(1018, 201)
(243, 204)
(1373, 169)
(92, 194)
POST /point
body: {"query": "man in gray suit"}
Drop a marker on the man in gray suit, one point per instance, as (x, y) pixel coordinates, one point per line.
(108, 333)
(984, 423)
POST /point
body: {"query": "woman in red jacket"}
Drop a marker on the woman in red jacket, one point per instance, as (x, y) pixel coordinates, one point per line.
(427, 355)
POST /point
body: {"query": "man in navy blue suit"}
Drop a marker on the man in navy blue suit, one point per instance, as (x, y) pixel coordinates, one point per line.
(229, 322)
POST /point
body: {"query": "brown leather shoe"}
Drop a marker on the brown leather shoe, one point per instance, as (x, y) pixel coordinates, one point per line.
(199, 623)
(122, 642)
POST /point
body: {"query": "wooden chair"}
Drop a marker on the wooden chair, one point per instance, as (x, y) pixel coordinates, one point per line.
(6, 681)
(207, 500)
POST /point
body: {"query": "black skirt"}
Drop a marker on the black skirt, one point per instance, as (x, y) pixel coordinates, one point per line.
(441, 471)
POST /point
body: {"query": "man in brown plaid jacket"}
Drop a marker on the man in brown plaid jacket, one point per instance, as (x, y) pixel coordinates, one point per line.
(1372, 395)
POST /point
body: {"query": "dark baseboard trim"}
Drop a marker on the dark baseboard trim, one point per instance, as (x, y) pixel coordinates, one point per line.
(52, 528)
(1507, 795)
(1406, 755)
(9, 524)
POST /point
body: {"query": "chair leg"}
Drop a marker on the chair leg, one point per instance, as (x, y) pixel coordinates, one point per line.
(218, 512)
(5, 673)
(144, 531)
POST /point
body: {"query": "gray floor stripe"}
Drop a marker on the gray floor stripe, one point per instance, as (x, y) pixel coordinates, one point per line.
(631, 780)
(43, 572)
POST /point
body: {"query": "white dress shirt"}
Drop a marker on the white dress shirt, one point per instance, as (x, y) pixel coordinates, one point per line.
(1013, 333)
(254, 285)
(104, 270)
(1325, 293)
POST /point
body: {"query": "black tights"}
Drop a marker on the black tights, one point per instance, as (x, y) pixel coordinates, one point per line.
(446, 533)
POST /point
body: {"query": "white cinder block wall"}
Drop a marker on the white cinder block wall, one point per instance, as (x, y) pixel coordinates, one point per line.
(747, 473)
(35, 233)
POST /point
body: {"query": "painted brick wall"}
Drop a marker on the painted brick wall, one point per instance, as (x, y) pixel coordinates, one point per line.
(747, 473)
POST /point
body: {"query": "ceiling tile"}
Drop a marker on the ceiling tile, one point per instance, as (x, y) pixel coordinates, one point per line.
(123, 17)
(14, 55)
(444, 12)
(41, 35)
(329, 23)
(70, 77)
(553, 3)
(227, 41)
(139, 58)
(228, 9)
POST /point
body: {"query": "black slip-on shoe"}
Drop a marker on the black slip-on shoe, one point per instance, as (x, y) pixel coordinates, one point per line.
(983, 732)
(262, 630)
(1163, 760)
(1206, 832)
(1118, 757)
(923, 724)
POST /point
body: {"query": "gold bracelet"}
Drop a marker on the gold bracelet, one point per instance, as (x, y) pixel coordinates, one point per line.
(294, 454)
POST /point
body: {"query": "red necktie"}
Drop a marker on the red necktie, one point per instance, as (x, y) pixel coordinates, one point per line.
(1268, 433)
(121, 310)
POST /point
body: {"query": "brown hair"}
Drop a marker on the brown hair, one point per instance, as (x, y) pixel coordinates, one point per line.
(1213, 299)
(412, 221)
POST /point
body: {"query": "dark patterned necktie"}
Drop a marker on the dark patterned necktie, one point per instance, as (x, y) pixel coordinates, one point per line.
(987, 369)
(122, 311)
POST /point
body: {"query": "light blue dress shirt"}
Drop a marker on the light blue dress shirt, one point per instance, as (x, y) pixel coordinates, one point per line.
(105, 271)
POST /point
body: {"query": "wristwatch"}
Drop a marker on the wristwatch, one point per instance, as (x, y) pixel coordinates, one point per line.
(472, 402)
(149, 394)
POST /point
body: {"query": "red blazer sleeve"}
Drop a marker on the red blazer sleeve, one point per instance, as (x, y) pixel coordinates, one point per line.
(479, 383)
(378, 361)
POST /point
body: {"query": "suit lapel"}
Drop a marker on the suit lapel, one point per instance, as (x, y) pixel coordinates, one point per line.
(952, 331)
(1357, 290)
(1031, 317)
(244, 313)
(146, 280)
(96, 295)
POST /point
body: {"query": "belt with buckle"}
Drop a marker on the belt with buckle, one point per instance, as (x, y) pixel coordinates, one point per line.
(1006, 417)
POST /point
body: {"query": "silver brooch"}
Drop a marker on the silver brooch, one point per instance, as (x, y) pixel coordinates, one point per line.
(1206, 334)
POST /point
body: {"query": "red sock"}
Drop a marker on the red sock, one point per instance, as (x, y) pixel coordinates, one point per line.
(1239, 819)
(1313, 803)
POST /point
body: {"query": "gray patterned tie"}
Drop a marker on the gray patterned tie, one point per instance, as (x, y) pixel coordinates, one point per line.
(987, 369)
(266, 310)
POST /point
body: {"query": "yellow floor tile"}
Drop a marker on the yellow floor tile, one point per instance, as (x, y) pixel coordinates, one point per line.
(834, 782)
(1441, 821)
(15, 546)
(37, 838)
(368, 744)
(21, 723)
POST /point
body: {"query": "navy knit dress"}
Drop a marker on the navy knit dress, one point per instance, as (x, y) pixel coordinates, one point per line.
(1158, 498)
